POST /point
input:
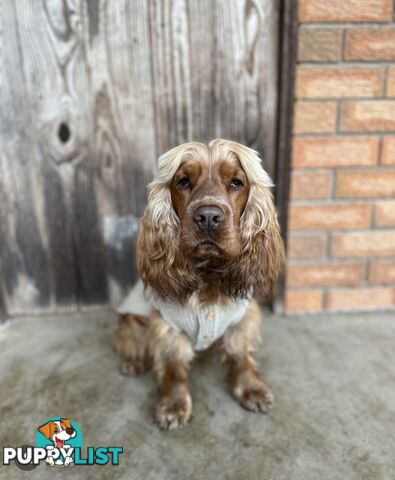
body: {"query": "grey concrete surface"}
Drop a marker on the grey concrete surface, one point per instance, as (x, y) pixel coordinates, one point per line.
(333, 377)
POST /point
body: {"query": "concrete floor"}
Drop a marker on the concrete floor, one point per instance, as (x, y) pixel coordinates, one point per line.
(333, 377)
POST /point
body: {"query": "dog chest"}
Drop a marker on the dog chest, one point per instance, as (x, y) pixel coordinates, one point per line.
(203, 327)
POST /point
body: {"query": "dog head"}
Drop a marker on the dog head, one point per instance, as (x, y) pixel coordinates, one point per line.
(209, 193)
(210, 209)
(58, 431)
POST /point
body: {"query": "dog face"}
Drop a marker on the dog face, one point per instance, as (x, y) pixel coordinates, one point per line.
(209, 194)
(210, 221)
(58, 431)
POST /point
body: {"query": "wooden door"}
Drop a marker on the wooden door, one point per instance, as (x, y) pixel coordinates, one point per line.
(91, 92)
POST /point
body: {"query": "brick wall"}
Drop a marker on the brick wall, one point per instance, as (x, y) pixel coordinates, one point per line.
(341, 252)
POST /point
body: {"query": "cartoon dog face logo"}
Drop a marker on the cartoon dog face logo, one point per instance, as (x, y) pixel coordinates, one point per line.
(58, 432)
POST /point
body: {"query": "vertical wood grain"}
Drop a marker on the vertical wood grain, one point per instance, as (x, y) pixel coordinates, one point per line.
(124, 137)
(92, 91)
(215, 72)
(25, 268)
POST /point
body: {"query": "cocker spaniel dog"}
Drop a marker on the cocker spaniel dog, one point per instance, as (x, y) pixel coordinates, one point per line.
(208, 240)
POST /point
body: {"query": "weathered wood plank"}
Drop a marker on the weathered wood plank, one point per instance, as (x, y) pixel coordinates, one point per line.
(3, 311)
(25, 267)
(215, 72)
(88, 170)
(170, 58)
(54, 63)
(123, 138)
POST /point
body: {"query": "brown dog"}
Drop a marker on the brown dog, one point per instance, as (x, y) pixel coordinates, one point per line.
(208, 239)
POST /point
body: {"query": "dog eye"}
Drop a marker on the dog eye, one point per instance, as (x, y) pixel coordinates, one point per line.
(236, 183)
(56, 430)
(183, 183)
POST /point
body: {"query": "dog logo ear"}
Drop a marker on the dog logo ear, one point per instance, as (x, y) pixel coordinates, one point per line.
(66, 421)
(45, 429)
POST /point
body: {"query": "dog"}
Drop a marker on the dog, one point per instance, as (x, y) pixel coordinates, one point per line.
(208, 240)
(58, 431)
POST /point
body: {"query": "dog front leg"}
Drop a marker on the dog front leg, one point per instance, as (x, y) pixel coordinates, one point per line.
(238, 344)
(172, 353)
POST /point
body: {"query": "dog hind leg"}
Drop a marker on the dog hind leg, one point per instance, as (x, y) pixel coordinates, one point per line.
(131, 343)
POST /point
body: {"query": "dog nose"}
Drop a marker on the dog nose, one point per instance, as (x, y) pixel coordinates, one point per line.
(70, 430)
(208, 218)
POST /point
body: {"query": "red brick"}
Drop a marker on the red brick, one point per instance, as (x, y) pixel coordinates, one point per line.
(388, 151)
(319, 44)
(374, 298)
(325, 275)
(310, 185)
(315, 117)
(335, 152)
(368, 116)
(370, 44)
(382, 272)
(338, 82)
(345, 10)
(385, 214)
(306, 246)
(303, 301)
(316, 217)
(391, 82)
(362, 244)
(365, 184)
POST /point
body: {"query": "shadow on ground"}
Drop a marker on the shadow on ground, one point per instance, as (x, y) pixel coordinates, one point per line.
(333, 377)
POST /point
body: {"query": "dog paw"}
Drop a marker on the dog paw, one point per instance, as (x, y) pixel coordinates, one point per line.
(256, 399)
(132, 368)
(172, 413)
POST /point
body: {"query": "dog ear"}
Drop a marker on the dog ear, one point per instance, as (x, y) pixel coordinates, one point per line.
(159, 260)
(263, 249)
(161, 265)
(45, 429)
(66, 421)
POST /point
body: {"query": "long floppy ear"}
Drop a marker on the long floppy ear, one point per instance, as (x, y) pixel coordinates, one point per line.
(263, 248)
(262, 255)
(45, 429)
(159, 260)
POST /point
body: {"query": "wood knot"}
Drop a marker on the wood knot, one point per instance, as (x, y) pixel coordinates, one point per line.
(64, 132)
(61, 138)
